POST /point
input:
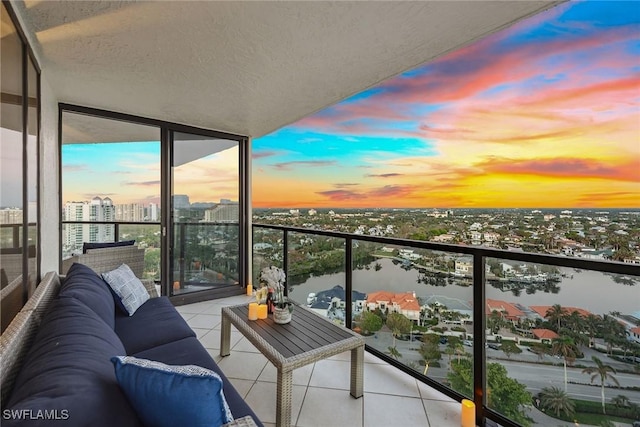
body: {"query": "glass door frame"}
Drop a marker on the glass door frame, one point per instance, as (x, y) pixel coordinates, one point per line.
(167, 224)
(166, 148)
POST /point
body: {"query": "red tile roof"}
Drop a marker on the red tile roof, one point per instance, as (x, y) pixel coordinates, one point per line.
(406, 301)
(544, 334)
(508, 310)
(542, 310)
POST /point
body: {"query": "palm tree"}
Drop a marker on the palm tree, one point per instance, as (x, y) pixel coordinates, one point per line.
(564, 346)
(555, 314)
(603, 372)
(393, 352)
(620, 401)
(556, 400)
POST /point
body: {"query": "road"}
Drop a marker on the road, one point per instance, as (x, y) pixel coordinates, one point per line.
(525, 369)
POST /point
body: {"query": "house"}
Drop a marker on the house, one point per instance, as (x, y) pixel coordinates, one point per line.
(507, 310)
(633, 335)
(545, 335)
(464, 266)
(403, 303)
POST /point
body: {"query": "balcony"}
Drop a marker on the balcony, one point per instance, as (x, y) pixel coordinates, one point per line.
(335, 273)
(321, 390)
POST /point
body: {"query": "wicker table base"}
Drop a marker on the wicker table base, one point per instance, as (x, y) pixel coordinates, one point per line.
(308, 338)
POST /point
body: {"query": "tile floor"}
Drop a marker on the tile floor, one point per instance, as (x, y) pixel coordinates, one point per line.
(321, 390)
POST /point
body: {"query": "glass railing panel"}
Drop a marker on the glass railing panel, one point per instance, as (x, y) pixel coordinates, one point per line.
(554, 335)
(206, 256)
(147, 236)
(317, 273)
(415, 306)
(74, 235)
(268, 250)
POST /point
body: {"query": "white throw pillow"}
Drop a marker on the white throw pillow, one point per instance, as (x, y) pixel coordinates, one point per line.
(127, 287)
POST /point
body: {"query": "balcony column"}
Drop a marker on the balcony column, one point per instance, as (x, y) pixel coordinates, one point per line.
(249, 210)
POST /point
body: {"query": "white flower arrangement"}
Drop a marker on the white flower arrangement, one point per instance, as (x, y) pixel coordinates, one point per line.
(274, 277)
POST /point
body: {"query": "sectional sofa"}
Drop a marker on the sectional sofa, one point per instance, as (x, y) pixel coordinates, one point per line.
(58, 361)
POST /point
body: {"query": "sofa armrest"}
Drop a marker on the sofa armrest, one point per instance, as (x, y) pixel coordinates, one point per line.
(246, 421)
(150, 286)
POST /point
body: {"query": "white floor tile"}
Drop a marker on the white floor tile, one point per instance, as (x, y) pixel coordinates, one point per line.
(332, 374)
(200, 332)
(301, 376)
(245, 366)
(389, 380)
(427, 392)
(207, 321)
(190, 308)
(244, 345)
(443, 413)
(326, 407)
(262, 399)
(212, 339)
(394, 411)
(242, 386)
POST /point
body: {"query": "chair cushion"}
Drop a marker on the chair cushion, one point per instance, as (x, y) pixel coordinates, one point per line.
(127, 287)
(166, 395)
(95, 245)
(156, 322)
(84, 284)
(68, 371)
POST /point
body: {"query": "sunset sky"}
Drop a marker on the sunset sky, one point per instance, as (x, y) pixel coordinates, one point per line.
(543, 114)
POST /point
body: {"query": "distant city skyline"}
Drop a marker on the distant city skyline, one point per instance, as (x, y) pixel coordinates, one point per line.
(543, 114)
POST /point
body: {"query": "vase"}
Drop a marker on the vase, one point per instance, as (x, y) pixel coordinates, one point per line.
(282, 315)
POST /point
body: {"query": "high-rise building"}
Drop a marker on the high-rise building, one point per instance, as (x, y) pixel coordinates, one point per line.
(152, 213)
(227, 212)
(181, 201)
(11, 216)
(96, 210)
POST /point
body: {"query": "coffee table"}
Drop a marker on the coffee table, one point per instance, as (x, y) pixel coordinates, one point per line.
(308, 338)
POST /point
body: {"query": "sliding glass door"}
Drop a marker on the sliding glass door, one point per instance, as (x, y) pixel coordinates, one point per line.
(205, 213)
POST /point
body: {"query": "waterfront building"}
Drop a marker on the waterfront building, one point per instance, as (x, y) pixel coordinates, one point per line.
(404, 303)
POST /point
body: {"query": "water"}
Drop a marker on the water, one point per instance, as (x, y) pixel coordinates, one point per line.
(590, 290)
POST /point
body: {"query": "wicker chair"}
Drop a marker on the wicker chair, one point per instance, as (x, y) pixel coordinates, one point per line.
(106, 259)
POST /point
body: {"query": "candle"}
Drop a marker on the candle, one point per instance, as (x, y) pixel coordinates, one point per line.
(253, 311)
(468, 414)
(262, 311)
(249, 289)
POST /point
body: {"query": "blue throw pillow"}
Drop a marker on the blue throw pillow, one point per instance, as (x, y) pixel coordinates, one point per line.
(166, 395)
(127, 287)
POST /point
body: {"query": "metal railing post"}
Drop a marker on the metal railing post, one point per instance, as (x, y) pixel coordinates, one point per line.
(479, 371)
(348, 270)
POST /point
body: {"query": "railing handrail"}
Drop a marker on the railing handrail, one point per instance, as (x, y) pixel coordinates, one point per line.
(556, 260)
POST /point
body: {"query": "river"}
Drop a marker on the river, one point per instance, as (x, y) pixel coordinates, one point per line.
(590, 290)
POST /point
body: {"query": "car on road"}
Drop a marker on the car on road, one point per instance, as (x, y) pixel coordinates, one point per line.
(494, 346)
(468, 343)
(443, 340)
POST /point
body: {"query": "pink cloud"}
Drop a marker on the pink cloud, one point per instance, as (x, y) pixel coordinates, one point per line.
(563, 167)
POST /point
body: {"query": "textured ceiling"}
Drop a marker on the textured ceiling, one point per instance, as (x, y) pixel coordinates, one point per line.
(244, 67)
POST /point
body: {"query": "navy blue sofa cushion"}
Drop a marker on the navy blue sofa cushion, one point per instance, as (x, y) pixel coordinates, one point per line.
(189, 351)
(154, 323)
(95, 245)
(68, 371)
(84, 284)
